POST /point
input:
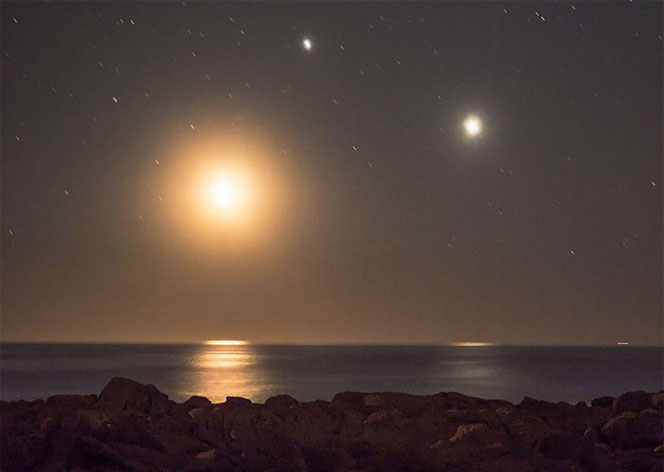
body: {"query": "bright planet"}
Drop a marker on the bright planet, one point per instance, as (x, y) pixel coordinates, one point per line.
(472, 125)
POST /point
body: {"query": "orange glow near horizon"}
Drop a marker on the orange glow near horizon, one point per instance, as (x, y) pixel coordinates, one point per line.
(472, 344)
(225, 342)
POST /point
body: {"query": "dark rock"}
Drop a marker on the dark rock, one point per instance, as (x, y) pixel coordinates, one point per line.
(197, 402)
(237, 402)
(78, 469)
(632, 430)
(351, 423)
(203, 461)
(559, 446)
(632, 401)
(658, 400)
(315, 423)
(126, 429)
(585, 450)
(602, 402)
(525, 430)
(532, 404)
(281, 452)
(174, 423)
(329, 459)
(467, 431)
(62, 438)
(408, 405)
(377, 417)
(176, 443)
(71, 401)
(633, 460)
(200, 414)
(281, 404)
(459, 401)
(134, 458)
(21, 451)
(127, 395)
(96, 422)
(134, 427)
(345, 400)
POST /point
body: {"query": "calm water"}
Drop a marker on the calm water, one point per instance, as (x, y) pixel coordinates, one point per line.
(31, 371)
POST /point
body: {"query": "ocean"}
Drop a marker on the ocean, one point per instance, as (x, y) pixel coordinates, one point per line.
(307, 372)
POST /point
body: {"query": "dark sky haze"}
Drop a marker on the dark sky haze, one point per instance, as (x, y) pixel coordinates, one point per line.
(380, 219)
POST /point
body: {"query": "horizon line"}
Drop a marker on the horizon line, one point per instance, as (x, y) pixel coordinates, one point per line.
(238, 342)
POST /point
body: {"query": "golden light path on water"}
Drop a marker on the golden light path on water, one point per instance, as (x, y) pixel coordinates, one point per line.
(233, 367)
(226, 367)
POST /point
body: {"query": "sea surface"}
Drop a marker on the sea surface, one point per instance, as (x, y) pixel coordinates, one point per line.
(32, 371)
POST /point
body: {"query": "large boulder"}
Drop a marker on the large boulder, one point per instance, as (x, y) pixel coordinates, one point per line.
(125, 395)
(197, 402)
(602, 402)
(632, 401)
(313, 424)
(281, 404)
(237, 402)
(526, 431)
(632, 430)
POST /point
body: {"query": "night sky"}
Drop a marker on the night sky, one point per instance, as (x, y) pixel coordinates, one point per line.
(380, 219)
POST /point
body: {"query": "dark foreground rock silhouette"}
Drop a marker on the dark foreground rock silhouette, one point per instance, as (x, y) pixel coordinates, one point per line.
(134, 427)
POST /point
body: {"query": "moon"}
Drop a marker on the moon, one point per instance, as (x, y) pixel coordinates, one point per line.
(307, 44)
(228, 194)
(223, 193)
(472, 125)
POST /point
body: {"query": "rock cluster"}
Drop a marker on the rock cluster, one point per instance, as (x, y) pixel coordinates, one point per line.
(134, 427)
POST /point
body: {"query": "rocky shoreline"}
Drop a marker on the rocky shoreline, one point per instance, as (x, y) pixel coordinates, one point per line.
(134, 427)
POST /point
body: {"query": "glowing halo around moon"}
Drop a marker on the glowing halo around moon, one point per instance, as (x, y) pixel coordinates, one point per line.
(225, 194)
(472, 125)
